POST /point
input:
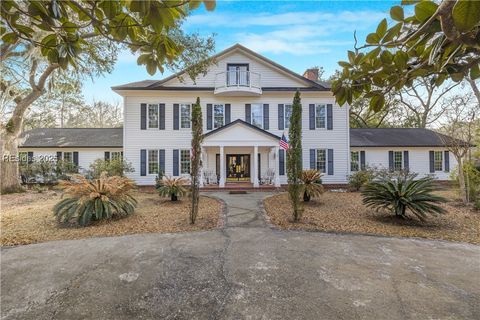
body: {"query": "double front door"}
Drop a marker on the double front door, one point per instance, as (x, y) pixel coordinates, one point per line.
(238, 167)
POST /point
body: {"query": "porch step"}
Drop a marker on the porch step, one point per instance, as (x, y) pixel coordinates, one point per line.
(238, 192)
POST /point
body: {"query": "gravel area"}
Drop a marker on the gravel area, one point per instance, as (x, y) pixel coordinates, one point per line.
(28, 218)
(344, 212)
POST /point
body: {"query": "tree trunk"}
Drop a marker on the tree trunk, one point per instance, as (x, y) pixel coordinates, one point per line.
(306, 197)
(10, 181)
(173, 197)
(461, 181)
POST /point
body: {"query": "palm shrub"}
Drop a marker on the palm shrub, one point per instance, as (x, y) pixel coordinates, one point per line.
(96, 199)
(400, 195)
(312, 184)
(173, 187)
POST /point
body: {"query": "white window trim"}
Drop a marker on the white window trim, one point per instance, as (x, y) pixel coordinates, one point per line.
(325, 113)
(148, 161)
(358, 161)
(157, 107)
(213, 115)
(442, 161)
(326, 159)
(180, 161)
(251, 114)
(285, 115)
(180, 116)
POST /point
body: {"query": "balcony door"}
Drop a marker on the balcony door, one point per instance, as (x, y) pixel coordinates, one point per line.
(237, 75)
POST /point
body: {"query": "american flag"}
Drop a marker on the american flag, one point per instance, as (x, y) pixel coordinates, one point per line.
(284, 142)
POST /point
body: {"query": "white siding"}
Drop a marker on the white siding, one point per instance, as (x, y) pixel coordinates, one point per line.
(419, 159)
(86, 156)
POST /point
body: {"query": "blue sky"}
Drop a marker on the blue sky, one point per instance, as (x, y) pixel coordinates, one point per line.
(296, 34)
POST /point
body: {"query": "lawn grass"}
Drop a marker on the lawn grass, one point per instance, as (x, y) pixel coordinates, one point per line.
(28, 218)
(344, 212)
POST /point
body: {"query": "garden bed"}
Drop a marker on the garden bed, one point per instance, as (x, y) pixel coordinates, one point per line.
(344, 212)
(28, 218)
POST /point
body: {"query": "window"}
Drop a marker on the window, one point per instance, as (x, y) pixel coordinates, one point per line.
(257, 115)
(321, 162)
(397, 160)
(320, 121)
(287, 115)
(354, 161)
(68, 157)
(185, 161)
(218, 115)
(152, 161)
(153, 116)
(116, 155)
(438, 161)
(185, 116)
(23, 157)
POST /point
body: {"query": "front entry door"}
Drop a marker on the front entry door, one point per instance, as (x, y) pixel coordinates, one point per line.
(238, 167)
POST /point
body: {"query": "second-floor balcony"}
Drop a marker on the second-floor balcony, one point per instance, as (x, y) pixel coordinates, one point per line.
(238, 83)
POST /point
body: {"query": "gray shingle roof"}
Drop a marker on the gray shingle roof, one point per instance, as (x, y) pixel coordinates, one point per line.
(73, 137)
(396, 137)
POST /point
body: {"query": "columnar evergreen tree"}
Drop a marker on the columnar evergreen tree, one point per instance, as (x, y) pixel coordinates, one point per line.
(294, 158)
(196, 161)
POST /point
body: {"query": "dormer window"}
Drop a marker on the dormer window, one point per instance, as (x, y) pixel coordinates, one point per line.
(237, 74)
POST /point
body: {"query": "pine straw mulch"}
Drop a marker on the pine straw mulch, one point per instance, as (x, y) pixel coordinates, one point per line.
(344, 212)
(27, 218)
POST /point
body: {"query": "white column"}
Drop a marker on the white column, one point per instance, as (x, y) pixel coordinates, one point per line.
(255, 166)
(222, 168)
(277, 168)
(202, 182)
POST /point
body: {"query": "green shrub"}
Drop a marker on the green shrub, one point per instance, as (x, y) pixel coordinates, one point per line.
(173, 187)
(472, 179)
(360, 178)
(113, 167)
(159, 180)
(476, 205)
(97, 199)
(400, 195)
(312, 184)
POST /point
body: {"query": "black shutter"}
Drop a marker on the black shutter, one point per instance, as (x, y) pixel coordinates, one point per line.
(266, 117)
(329, 117)
(29, 157)
(281, 162)
(311, 116)
(143, 116)
(228, 113)
(107, 155)
(312, 159)
(176, 162)
(432, 161)
(362, 160)
(330, 161)
(161, 160)
(281, 119)
(406, 161)
(59, 155)
(143, 162)
(248, 113)
(209, 116)
(161, 116)
(447, 161)
(390, 160)
(75, 158)
(176, 116)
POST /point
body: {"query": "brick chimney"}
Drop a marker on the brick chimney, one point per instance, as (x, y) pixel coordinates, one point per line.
(311, 74)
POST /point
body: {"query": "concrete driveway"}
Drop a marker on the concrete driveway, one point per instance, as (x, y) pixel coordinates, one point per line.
(243, 271)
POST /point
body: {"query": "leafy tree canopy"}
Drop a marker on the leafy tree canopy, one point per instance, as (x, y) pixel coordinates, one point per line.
(440, 40)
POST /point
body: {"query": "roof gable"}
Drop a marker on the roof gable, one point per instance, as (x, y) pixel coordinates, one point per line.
(240, 132)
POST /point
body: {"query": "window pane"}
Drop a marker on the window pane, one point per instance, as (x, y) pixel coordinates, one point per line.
(321, 160)
(438, 161)
(23, 157)
(257, 115)
(67, 157)
(218, 115)
(288, 113)
(116, 155)
(354, 164)
(185, 161)
(153, 115)
(320, 116)
(185, 116)
(152, 161)
(397, 160)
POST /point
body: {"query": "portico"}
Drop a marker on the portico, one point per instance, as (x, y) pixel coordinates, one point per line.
(240, 151)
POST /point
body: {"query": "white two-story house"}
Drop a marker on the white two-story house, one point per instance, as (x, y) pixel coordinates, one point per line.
(246, 102)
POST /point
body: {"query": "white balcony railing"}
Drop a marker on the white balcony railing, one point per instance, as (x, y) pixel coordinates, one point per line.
(238, 81)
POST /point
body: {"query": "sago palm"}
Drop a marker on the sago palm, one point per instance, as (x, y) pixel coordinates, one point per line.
(97, 199)
(173, 187)
(312, 184)
(400, 195)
